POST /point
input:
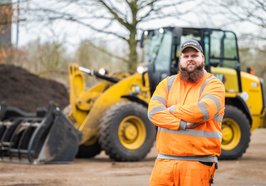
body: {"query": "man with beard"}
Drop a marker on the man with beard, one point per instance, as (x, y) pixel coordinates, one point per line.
(188, 109)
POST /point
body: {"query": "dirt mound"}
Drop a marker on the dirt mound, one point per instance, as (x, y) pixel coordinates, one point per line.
(24, 90)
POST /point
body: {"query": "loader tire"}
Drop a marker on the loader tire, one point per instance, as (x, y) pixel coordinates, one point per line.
(236, 133)
(89, 151)
(126, 133)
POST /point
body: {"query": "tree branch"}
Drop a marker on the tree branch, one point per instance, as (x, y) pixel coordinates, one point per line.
(108, 53)
(69, 17)
(115, 15)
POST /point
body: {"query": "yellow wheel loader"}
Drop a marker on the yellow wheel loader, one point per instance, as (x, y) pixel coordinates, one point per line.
(245, 102)
(112, 115)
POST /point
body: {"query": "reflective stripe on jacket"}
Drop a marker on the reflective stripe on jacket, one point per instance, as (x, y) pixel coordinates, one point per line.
(176, 102)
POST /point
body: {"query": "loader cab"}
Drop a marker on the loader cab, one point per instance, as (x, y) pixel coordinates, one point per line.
(162, 51)
(157, 49)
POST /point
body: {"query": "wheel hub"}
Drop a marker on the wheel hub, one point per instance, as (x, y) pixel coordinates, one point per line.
(231, 134)
(227, 133)
(130, 132)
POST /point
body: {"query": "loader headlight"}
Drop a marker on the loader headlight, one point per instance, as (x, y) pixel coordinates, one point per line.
(103, 71)
(142, 69)
(146, 32)
(135, 89)
(161, 30)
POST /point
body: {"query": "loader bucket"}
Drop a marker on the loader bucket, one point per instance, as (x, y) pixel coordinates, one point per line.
(44, 137)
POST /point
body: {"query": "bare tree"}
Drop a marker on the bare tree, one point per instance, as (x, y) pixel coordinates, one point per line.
(241, 11)
(105, 16)
(237, 12)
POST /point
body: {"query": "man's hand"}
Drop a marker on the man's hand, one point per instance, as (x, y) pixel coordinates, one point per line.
(188, 124)
(192, 125)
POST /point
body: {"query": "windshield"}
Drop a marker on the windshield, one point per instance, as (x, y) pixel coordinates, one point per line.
(157, 48)
(223, 49)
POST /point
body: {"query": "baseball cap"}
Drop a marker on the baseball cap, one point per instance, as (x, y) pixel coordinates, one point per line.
(193, 44)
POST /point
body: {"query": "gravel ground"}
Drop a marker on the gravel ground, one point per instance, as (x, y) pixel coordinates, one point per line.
(100, 171)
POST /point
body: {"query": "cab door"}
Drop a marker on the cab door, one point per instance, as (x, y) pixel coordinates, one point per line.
(222, 58)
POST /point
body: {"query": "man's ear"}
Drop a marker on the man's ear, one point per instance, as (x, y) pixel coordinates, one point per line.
(203, 58)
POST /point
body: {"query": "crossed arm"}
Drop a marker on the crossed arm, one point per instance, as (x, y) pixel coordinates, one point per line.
(178, 117)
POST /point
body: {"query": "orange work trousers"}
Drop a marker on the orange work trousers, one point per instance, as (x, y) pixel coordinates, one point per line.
(181, 173)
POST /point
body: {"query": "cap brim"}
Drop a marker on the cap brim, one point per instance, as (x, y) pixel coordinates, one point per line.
(191, 46)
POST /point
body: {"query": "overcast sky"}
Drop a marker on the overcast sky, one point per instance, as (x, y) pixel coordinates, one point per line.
(72, 33)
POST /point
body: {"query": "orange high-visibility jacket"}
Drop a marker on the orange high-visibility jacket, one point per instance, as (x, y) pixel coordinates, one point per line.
(176, 102)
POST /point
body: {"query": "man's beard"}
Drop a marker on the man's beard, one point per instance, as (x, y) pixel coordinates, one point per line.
(192, 76)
